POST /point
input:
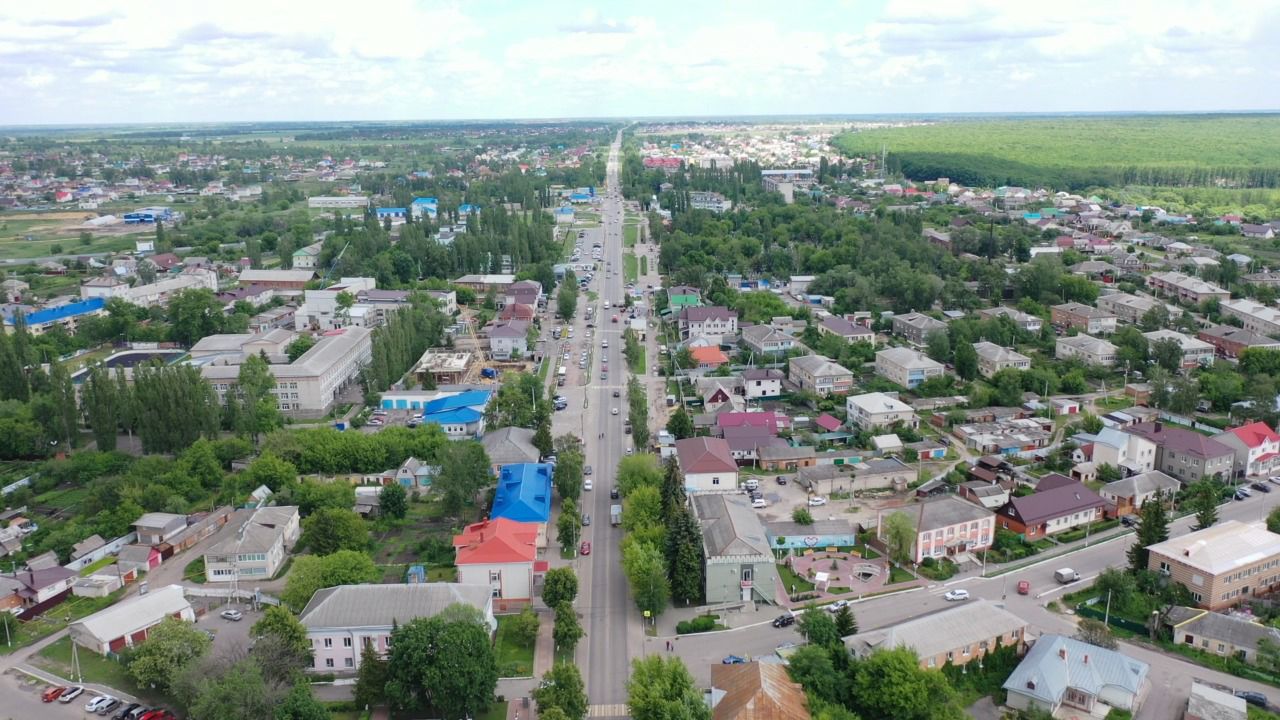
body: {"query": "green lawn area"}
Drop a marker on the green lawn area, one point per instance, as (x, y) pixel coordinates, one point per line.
(514, 660)
(61, 499)
(442, 573)
(497, 711)
(194, 571)
(630, 267)
(94, 668)
(898, 575)
(791, 580)
(94, 567)
(25, 633)
(629, 235)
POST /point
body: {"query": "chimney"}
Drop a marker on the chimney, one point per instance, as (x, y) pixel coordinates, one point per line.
(1062, 653)
(1159, 426)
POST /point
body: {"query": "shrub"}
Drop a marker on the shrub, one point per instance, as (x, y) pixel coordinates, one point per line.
(702, 623)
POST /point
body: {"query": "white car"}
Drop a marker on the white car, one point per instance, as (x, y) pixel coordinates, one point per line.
(759, 503)
(837, 606)
(93, 705)
(817, 500)
(586, 484)
(234, 615)
(615, 411)
(604, 343)
(952, 595)
(71, 694)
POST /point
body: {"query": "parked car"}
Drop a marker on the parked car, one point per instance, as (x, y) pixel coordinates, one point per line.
(587, 471)
(617, 392)
(1261, 487)
(1129, 520)
(780, 480)
(613, 492)
(71, 694)
(233, 615)
(759, 503)
(784, 620)
(587, 484)
(837, 606)
(106, 708)
(817, 500)
(97, 702)
(586, 520)
(52, 693)
(955, 595)
(1024, 587)
(1252, 697)
(614, 411)
(584, 548)
(733, 660)
(126, 711)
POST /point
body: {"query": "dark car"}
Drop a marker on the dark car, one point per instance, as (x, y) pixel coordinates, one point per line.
(784, 620)
(613, 492)
(780, 480)
(733, 660)
(1128, 520)
(1261, 487)
(1253, 698)
(124, 711)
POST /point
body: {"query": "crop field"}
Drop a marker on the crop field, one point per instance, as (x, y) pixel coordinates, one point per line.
(1075, 153)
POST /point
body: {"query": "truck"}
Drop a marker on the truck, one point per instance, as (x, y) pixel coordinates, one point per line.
(489, 373)
(1066, 575)
(615, 515)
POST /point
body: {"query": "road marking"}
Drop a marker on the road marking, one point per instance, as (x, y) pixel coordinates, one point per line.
(614, 710)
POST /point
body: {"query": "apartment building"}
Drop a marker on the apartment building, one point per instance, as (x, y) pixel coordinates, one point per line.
(1128, 308)
(818, 374)
(1025, 321)
(1259, 318)
(1223, 565)
(915, 327)
(906, 367)
(1195, 353)
(1085, 318)
(992, 359)
(1091, 350)
(878, 410)
(254, 550)
(1230, 341)
(716, 323)
(1186, 454)
(1186, 288)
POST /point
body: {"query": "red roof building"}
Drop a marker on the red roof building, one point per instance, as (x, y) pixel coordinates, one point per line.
(499, 553)
(709, 357)
(707, 464)
(1257, 448)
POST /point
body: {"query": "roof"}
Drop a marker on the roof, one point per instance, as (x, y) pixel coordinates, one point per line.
(908, 358)
(709, 355)
(496, 541)
(1088, 343)
(524, 493)
(764, 333)
(844, 328)
(132, 614)
(467, 399)
(36, 580)
(1255, 434)
(1185, 342)
(1231, 629)
(730, 528)
(762, 374)
(1142, 484)
(757, 691)
(461, 416)
(705, 455)
(878, 402)
(159, 520)
(1054, 502)
(381, 606)
(818, 366)
(1045, 674)
(936, 633)
(833, 526)
(1180, 440)
(1208, 703)
(510, 445)
(1221, 548)
(944, 511)
(992, 352)
(707, 312)
(86, 546)
(827, 422)
(1087, 311)
(260, 533)
(61, 312)
(294, 276)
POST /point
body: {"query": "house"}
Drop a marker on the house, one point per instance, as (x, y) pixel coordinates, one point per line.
(1024, 321)
(991, 496)
(887, 472)
(762, 383)
(1223, 565)
(766, 340)
(818, 374)
(708, 357)
(873, 410)
(1257, 232)
(1085, 318)
(1186, 454)
(39, 590)
(1129, 494)
(1061, 671)
(1090, 350)
(509, 339)
(1231, 341)
(524, 495)
(342, 620)
(307, 258)
(915, 327)
(157, 527)
(277, 279)
(707, 464)
(1058, 504)
(1131, 454)
(1257, 448)
(255, 549)
(139, 558)
(500, 553)
(957, 635)
(1195, 353)
(1126, 307)
(782, 457)
(906, 367)
(87, 546)
(756, 691)
(1186, 288)
(509, 446)
(1209, 703)
(992, 359)
(845, 330)
(127, 623)
(719, 324)
(683, 296)
(484, 283)
(945, 526)
(413, 474)
(1219, 633)
(459, 414)
(1256, 317)
(738, 560)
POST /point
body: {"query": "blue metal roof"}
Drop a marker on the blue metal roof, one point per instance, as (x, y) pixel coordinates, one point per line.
(524, 493)
(62, 312)
(470, 398)
(391, 211)
(461, 416)
(425, 201)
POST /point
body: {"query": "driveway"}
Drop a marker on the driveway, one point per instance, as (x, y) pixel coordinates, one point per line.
(230, 637)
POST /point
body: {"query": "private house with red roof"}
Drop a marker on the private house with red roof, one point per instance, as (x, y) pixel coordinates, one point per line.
(708, 357)
(768, 418)
(501, 554)
(1058, 504)
(707, 464)
(517, 311)
(1257, 448)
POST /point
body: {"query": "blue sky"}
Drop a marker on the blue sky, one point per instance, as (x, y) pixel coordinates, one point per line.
(147, 61)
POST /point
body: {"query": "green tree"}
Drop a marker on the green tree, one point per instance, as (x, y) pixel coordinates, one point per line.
(300, 704)
(661, 688)
(1091, 423)
(966, 361)
(464, 471)
(1167, 354)
(1153, 528)
(1008, 387)
(801, 516)
(332, 529)
(644, 509)
(899, 536)
(257, 411)
(568, 524)
(846, 624)
(310, 573)
(194, 314)
(562, 688)
(1273, 520)
(567, 297)
(443, 664)
(891, 684)
(559, 585)
(818, 626)
(100, 404)
(639, 412)
(646, 570)
(638, 470)
(680, 425)
(1202, 499)
(300, 346)
(393, 501)
(523, 626)
(569, 467)
(938, 346)
(269, 470)
(811, 666)
(277, 622)
(568, 630)
(170, 648)
(1095, 632)
(371, 679)
(685, 561)
(542, 436)
(1268, 657)
(238, 693)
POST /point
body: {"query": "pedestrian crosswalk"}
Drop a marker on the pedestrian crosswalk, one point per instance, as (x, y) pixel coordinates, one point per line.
(604, 711)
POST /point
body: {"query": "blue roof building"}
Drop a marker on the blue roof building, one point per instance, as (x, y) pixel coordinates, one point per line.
(67, 314)
(433, 202)
(392, 212)
(470, 398)
(461, 416)
(524, 493)
(468, 209)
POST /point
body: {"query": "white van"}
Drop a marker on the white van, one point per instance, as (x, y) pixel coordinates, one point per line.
(752, 484)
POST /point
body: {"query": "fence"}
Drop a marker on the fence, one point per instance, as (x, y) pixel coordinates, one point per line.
(229, 594)
(1093, 612)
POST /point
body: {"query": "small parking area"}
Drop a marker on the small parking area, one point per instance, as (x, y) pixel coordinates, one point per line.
(21, 699)
(229, 636)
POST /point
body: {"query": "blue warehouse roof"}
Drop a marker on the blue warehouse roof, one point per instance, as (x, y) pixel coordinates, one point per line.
(460, 416)
(62, 312)
(524, 493)
(470, 398)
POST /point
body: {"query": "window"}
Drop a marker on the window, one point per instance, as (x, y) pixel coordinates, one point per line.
(328, 642)
(347, 662)
(950, 656)
(933, 662)
(328, 662)
(346, 642)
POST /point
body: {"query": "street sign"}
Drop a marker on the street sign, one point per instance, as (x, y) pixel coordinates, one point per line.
(647, 613)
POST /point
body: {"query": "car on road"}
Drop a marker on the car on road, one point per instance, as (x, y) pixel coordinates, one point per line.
(759, 503)
(586, 520)
(587, 471)
(584, 548)
(1275, 479)
(817, 500)
(126, 711)
(52, 693)
(1252, 697)
(604, 375)
(734, 660)
(780, 480)
(613, 492)
(604, 343)
(587, 484)
(1261, 487)
(617, 392)
(1024, 587)
(70, 694)
(1129, 520)
(837, 606)
(107, 707)
(97, 702)
(784, 620)
(614, 411)
(1242, 493)
(957, 594)
(233, 615)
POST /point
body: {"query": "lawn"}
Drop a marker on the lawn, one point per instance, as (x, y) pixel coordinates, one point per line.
(94, 668)
(898, 575)
(496, 711)
(629, 235)
(792, 582)
(57, 618)
(941, 570)
(94, 567)
(194, 571)
(630, 267)
(514, 659)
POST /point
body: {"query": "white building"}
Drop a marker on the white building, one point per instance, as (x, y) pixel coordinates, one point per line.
(126, 623)
(906, 367)
(761, 383)
(307, 258)
(1195, 352)
(255, 550)
(153, 294)
(992, 359)
(1256, 317)
(873, 410)
(707, 464)
(1091, 350)
(820, 375)
(349, 202)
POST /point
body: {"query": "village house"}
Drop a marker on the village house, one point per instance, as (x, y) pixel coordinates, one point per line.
(256, 549)
(1058, 504)
(1230, 341)
(1085, 318)
(1128, 495)
(818, 374)
(878, 410)
(1025, 321)
(992, 359)
(845, 330)
(906, 367)
(719, 324)
(707, 464)
(766, 340)
(1090, 350)
(1219, 633)
(509, 446)
(500, 553)
(1257, 448)
(915, 327)
(957, 635)
(1186, 454)
(1222, 565)
(762, 383)
(755, 691)
(1060, 671)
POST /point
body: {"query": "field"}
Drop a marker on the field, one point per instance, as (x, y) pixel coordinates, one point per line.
(1076, 153)
(94, 668)
(28, 235)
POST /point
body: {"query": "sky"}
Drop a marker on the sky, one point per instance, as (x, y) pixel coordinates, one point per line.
(167, 61)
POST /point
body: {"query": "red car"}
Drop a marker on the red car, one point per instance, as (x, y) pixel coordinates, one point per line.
(157, 714)
(585, 549)
(1024, 587)
(52, 693)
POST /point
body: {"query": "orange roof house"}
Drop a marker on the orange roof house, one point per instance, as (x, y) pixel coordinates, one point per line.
(500, 553)
(709, 356)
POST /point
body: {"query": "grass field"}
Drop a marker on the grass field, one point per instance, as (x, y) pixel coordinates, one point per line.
(29, 235)
(629, 235)
(514, 659)
(630, 267)
(94, 668)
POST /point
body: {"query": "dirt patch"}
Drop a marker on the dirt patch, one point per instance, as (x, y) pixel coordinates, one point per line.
(78, 215)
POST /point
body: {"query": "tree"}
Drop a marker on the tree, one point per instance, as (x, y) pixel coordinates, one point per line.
(279, 623)
(1273, 520)
(647, 573)
(100, 404)
(371, 679)
(1167, 354)
(1096, 632)
(268, 469)
(170, 648)
(194, 314)
(1153, 528)
(1202, 499)
(644, 509)
(569, 466)
(562, 688)
(1268, 656)
(966, 361)
(393, 501)
(239, 693)
(811, 666)
(257, 411)
(523, 626)
(891, 684)
(1090, 423)
(846, 624)
(801, 516)
(938, 346)
(559, 585)
(299, 347)
(639, 412)
(310, 573)
(542, 437)
(301, 704)
(818, 626)
(568, 630)
(685, 561)
(464, 471)
(638, 470)
(332, 529)
(680, 425)
(1108, 473)
(899, 535)
(1008, 386)
(443, 664)
(661, 688)
(568, 524)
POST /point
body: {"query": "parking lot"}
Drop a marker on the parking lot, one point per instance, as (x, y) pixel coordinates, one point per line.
(20, 698)
(230, 637)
